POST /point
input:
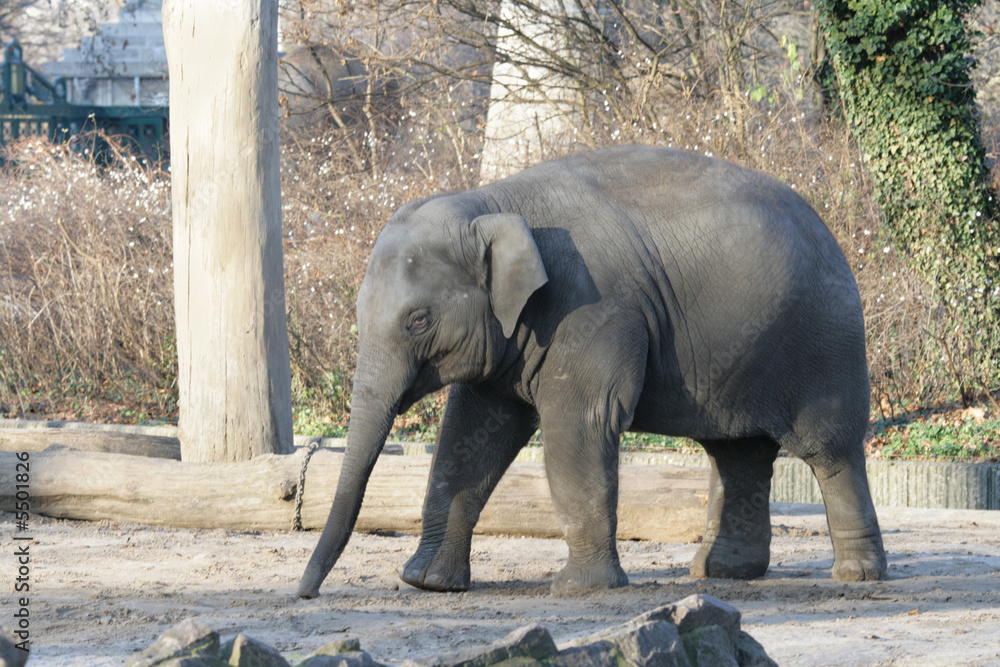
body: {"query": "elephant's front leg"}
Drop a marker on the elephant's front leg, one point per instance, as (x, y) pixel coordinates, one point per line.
(581, 461)
(480, 436)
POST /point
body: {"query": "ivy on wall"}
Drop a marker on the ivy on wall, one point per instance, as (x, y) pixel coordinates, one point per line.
(903, 78)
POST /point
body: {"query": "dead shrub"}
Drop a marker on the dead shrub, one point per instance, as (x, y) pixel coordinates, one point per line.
(87, 313)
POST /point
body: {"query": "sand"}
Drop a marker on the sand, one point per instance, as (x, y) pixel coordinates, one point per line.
(100, 592)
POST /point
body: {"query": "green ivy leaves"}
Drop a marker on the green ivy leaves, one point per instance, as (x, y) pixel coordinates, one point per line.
(903, 74)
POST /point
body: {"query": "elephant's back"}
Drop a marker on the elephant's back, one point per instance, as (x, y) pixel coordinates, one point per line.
(744, 289)
(710, 224)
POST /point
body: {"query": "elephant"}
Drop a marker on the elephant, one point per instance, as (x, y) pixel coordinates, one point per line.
(630, 288)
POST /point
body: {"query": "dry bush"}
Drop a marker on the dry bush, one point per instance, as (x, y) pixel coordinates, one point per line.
(87, 315)
(86, 322)
(87, 319)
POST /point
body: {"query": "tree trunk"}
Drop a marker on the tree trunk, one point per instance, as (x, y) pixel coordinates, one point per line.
(232, 342)
(532, 110)
(661, 503)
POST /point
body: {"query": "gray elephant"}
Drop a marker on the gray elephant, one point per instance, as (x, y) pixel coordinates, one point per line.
(632, 288)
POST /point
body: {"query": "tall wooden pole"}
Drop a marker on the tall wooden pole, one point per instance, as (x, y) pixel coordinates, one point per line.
(232, 341)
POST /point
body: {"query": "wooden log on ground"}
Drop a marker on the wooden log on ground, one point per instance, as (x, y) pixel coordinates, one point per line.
(138, 429)
(110, 442)
(662, 503)
(123, 439)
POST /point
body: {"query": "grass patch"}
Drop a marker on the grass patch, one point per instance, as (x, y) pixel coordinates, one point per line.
(651, 442)
(960, 435)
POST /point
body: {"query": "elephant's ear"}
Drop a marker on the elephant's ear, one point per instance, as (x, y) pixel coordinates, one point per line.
(514, 268)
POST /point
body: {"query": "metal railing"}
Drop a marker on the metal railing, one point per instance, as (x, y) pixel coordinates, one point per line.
(31, 105)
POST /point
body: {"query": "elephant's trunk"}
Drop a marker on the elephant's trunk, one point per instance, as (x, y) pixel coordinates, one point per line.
(372, 414)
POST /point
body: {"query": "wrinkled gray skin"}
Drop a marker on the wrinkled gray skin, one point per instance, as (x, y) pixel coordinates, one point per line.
(626, 289)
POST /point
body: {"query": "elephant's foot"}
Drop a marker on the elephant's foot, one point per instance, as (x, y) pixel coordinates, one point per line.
(310, 582)
(858, 559)
(434, 573)
(579, 579)
(307, 591)
(731, 559)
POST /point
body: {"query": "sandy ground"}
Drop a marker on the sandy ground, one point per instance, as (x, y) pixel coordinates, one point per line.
(101, 592)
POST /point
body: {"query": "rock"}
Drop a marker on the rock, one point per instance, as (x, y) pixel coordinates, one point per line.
(749, 652)
(642, 644)
(652, 644)
(245, 651)
(348, 659)
(698, 611)
(185, 640)
(710, 646)
(338, 646)
(698, 631)
(592, 655)
(528, 645)
(10, 654)
(339, 653)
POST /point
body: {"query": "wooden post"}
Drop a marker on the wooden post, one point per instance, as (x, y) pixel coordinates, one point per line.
(232, 341)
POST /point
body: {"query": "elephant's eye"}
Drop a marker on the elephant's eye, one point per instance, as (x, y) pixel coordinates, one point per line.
(418, 323)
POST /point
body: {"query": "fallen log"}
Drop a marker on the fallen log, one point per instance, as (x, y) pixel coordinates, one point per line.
(137, 429)
(91, 440)
(151, 441)
(661, 503)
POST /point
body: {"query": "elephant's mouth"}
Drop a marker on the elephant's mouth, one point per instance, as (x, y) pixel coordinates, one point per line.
(428, 380)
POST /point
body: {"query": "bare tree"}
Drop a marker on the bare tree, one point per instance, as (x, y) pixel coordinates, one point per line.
(531, 107)
(12, 17)
(45, 27)
(11, 9)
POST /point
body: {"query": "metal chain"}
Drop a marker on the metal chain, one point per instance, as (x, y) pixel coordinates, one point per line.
(300, 489)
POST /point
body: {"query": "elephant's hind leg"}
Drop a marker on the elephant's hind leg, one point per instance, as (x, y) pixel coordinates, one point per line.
(479, 438)
(737, 542)
(850, 513)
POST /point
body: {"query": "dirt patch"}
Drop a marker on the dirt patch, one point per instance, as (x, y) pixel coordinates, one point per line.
(102, 592)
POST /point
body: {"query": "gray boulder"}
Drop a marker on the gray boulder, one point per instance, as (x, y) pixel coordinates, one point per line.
(338, 646)
(710, 646)
(348, 659)
(698, 611)
(340, 653)
(528, 645)
(591, 655)
(700, 630)
(185, 640)
(749, 653)
(246, 651)
(633, 644)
